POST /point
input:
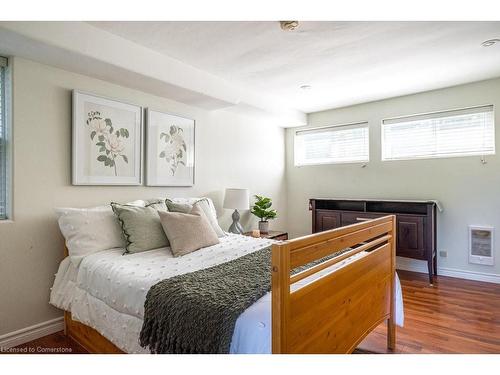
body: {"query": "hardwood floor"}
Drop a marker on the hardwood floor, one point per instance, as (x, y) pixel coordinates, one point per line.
(453, 316)
(56, 343)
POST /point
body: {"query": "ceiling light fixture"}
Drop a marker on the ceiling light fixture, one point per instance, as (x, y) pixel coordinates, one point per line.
(490, 42)
(305, 87)
(289, 25)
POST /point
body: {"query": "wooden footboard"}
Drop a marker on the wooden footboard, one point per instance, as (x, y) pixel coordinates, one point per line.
(336, 311)
(330, 315)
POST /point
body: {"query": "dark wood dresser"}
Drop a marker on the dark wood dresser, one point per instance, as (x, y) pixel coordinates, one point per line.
(415, 223)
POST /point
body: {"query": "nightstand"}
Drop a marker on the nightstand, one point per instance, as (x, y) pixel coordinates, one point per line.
(273, 235)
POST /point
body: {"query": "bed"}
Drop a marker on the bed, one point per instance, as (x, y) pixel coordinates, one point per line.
(327, 308)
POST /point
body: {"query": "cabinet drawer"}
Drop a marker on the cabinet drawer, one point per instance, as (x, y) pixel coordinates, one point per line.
(410, 236)
(326, 220)
(349, 218)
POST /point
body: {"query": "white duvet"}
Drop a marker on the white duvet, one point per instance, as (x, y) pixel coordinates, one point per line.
(107, 291)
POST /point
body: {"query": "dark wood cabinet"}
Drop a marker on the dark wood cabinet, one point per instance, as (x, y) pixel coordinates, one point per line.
(410, 236)
(415, 223)
(327, 220)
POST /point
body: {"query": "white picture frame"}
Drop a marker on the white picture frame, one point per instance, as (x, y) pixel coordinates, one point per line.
(107, 141)
(170, 149)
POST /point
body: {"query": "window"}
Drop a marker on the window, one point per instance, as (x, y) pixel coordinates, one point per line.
(3, 140)
(460, 132)
(333, 144)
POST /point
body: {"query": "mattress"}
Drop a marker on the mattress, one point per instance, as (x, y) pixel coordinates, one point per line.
(108, 290)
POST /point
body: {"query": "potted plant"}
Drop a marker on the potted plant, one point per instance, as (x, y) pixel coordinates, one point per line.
(262, 209)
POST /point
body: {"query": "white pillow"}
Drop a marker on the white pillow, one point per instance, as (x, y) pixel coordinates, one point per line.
(213, 219)
(89, 230)
(192, 201)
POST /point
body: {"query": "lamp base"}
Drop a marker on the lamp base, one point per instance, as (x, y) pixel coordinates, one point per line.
(236, 226)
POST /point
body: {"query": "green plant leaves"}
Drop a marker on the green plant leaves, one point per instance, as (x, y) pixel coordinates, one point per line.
(102, 146)
(261, 208)
(108, 162)
(167, 137)
(101, 138)
(124, 132)
(176, 148)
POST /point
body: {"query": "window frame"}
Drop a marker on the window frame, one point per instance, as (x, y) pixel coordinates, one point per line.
(431, 115)
(346, 125)
(7, 108)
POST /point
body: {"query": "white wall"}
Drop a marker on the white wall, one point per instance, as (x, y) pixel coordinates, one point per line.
(231, 151)
(468, 190)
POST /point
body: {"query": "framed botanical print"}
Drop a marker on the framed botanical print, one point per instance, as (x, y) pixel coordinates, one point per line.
(107, 141)
(169, 149)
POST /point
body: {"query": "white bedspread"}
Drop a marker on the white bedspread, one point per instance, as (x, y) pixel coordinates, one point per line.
(108, 290)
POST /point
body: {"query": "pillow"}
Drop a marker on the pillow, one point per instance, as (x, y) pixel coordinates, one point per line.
(89, 230)
(184, 208)
(188, 232)
(192, 201)
(204, 204)
(141, 226)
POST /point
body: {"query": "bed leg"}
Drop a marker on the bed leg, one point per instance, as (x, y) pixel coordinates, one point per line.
(391, 334)
(391, 326)
(66, 316)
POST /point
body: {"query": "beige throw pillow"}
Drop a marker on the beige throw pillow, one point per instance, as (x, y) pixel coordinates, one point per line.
(188, 232)
(204, 205)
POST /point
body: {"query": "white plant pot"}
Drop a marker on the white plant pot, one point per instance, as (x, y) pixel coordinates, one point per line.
(264, 227)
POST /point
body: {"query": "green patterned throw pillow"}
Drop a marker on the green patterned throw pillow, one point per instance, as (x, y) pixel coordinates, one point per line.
(141, 226)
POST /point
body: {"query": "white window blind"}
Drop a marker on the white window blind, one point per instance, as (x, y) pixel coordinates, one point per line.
(459, 132)
(333, 144)
(3, 143)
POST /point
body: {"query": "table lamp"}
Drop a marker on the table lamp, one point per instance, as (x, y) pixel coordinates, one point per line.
(237, 199)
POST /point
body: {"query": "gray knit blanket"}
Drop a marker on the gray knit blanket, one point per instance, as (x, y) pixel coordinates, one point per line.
(197, 312)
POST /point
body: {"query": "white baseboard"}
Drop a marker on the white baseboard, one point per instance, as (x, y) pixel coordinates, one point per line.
(470, 275)
(413, 265)
(34, 332)
(409, 264)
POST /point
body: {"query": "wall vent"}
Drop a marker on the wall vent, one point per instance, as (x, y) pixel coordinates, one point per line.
(481, 245)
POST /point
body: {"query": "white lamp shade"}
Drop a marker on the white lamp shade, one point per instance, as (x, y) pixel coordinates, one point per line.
(237, 199)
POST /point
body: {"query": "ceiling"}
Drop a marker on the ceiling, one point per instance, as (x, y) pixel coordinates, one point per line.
(345, 63)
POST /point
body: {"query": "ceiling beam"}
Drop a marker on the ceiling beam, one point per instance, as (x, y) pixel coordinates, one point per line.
(85, 49)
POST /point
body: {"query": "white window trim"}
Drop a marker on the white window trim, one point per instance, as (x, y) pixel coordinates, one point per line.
(430, 115)
(9, 209)
(319, 128)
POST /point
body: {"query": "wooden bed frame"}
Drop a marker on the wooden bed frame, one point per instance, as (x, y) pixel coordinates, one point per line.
(332, 314)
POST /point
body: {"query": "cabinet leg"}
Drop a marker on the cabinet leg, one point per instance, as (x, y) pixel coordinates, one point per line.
(430, 269)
